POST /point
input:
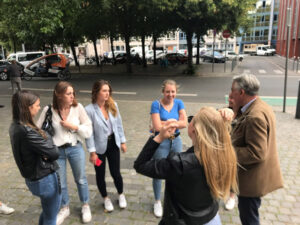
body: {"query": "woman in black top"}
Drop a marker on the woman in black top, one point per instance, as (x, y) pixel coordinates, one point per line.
(197, 178)
(35, 155)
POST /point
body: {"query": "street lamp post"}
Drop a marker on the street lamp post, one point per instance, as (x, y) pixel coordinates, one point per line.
(288, 25)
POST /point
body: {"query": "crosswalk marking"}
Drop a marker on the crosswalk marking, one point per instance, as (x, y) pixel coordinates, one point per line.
(278, 71)
(115, 92)
(246, 71)
(262, 71)
(188, 95)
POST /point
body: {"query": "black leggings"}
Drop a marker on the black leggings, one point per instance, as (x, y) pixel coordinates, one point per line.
(113, 156)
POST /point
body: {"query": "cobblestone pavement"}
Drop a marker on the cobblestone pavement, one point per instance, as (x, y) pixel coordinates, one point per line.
(280, 207)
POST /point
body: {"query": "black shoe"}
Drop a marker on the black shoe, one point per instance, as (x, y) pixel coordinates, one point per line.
(1, 106)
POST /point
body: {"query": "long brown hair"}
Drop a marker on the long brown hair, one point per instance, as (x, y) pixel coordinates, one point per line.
(59, 90)
(110, 103)
(215, 152)
(21, 101)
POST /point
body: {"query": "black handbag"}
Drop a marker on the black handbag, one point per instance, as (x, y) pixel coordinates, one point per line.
(47, 124)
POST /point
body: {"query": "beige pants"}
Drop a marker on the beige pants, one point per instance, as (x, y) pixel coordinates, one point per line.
(15, 83)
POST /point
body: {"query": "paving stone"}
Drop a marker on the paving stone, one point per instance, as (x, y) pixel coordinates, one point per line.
(282, 207)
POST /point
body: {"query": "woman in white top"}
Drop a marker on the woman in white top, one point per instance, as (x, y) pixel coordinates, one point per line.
(71, 125)
(107, 140)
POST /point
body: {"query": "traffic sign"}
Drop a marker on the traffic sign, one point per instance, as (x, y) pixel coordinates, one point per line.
(226, 34)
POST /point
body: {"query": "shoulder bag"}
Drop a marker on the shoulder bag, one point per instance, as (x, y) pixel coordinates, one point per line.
(47, 124)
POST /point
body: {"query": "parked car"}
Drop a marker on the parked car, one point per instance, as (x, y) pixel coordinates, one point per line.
(230, 55)
(150, 53)
(4, 74)
(25, 57)
(110, 55)
(182, 51)
(176, 58)
(217, 57)
(159, 56)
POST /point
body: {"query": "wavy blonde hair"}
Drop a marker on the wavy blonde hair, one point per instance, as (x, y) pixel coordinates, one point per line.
(215, 152)
(110, 103)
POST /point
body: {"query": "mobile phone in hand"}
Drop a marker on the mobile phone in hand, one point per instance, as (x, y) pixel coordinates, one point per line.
(98, 162)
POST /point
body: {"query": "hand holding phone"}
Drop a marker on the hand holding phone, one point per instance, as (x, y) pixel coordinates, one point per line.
(98, 162)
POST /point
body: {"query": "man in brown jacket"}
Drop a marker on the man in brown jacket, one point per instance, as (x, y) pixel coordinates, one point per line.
(254, 139)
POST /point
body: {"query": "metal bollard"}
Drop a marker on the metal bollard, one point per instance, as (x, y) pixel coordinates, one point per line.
(294, 62)
(297, 64)
(298, 103)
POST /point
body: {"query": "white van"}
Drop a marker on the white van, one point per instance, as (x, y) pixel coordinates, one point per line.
(138, 50)
(25, 57)
(264, 50)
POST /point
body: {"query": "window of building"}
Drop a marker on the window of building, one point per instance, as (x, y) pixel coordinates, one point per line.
(182, 36)
(275, 17)
(264, 4)
(257, 33)
(118, 48)
(262, 18)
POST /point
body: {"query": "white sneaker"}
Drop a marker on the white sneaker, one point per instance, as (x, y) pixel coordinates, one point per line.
(108, 205)
(4, 209)
(62, 215)
(158, 211)
(86, 214)
(122, 201)
(230, 203)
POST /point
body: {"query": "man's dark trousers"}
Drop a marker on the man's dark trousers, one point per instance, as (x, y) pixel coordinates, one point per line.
(248, 208)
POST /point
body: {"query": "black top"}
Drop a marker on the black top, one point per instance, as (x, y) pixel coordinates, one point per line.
(35, 156)
(187, 195)
(14, 70)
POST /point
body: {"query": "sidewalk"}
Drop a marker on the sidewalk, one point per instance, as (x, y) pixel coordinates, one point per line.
(157, 70)
(281, 207)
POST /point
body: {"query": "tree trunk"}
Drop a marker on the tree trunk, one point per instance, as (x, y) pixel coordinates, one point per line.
(72, 45)
(154, 49)
(15, 46)
(198, 47)
(96, 52)
(189, 36)
(52, 47)
(144, 54)
(128, 56)
(112, 48)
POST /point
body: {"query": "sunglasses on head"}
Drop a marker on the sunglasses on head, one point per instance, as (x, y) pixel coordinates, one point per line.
(190, 118)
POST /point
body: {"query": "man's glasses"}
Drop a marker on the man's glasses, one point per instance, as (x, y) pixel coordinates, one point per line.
(190, 118)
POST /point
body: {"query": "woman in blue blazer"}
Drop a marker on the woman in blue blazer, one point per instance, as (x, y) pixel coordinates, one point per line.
(106, 141)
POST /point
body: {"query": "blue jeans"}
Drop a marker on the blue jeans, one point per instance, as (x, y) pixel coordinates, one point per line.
(76, 157)
(47, 189)
(215, 221)
(163, 151)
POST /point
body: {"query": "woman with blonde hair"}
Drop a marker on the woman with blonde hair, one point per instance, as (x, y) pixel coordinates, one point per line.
(71, 125)
(167, 108)
(107, 140)
(198, 178)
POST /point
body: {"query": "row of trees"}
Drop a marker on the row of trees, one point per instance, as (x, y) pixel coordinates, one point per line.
(40, 23)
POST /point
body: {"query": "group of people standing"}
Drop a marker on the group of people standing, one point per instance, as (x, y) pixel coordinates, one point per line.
(42, 159)
(219, 162)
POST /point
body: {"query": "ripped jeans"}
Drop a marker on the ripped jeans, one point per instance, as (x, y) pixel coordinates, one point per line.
(76, 157)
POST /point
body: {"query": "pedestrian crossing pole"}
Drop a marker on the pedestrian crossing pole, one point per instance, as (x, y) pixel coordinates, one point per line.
(288, 25)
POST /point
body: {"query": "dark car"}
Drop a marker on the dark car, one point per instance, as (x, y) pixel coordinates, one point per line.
(4, 74)
(176, 58)
(217, 57)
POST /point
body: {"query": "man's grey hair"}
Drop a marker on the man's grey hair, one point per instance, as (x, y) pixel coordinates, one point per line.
(248, 82)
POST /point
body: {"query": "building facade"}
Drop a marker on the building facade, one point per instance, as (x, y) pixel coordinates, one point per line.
(294, 34)
(264, 28)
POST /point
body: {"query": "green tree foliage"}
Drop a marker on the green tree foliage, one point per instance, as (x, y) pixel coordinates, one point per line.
(41, 23)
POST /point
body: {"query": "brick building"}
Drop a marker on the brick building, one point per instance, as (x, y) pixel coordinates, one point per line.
(294, 36)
